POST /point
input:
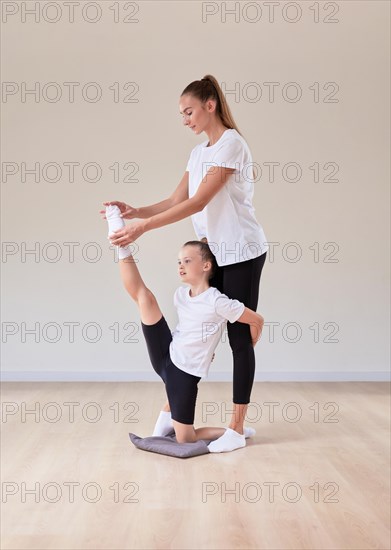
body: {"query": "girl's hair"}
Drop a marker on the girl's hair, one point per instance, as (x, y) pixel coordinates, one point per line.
(209, 88)
(206, 254)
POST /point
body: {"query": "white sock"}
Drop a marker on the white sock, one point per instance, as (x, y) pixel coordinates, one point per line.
(115, 222)
(229, 441)
(248, 432)
(163, 424)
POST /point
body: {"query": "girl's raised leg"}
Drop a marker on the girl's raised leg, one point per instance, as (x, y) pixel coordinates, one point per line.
(149, 309)
(150, 312)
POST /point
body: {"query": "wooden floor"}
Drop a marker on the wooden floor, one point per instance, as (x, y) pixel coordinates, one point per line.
(315, 476)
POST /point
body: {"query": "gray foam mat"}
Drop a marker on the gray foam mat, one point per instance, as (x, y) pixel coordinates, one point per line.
(168, 445)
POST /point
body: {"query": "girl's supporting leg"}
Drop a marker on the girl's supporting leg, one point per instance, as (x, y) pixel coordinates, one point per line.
(182, 391)
(186, 433)
(165, 424)
(223, 440)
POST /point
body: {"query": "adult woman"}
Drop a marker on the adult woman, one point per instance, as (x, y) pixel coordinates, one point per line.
(216, 191)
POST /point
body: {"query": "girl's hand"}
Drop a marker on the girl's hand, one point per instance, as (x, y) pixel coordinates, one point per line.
(127, 211)
(128, 234)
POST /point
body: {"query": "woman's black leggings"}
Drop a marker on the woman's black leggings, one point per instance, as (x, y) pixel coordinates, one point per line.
(241, 282)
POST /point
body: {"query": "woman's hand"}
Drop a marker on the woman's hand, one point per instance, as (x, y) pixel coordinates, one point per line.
(127, 211)
(128, 234)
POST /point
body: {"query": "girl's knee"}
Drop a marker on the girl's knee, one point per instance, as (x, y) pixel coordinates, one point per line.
(145, 297)
(185, 439)
(182, 439)
(184, 433)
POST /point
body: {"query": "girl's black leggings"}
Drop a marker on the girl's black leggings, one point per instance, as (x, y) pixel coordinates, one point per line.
(241, 282)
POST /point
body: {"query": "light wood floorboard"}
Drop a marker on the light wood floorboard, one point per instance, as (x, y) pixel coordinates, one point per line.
(330, 469)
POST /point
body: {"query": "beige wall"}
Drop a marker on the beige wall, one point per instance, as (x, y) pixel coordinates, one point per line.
(171, 44)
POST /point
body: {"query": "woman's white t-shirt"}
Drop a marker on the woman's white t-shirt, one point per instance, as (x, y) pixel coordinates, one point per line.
(202, 320)
(228, 221)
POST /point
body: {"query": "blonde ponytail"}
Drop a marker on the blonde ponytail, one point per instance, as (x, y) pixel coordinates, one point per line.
(209, 88)
(225, 112)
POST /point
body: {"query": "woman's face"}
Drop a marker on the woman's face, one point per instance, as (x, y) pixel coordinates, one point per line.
(196, 115)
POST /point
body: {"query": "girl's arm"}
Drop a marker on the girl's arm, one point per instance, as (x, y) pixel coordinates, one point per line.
(255, 321)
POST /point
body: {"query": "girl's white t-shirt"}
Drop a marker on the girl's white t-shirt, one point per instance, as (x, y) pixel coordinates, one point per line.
(228, 221)
(201, 322)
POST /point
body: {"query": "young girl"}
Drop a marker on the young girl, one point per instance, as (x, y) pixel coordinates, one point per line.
(183, 357)
(216, 190)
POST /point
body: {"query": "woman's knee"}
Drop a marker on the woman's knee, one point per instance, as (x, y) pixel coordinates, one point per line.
(239, 337)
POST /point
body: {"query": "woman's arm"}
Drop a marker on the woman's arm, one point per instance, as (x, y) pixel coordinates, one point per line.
(211, 184)
(180, 194)
(128, 212)
(255, 321)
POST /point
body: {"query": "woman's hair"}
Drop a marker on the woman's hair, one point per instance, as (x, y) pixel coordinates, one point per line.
(209, 88)
(206, 254)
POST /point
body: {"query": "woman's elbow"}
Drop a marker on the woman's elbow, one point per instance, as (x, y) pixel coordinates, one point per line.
(199, 204)
(259, 323)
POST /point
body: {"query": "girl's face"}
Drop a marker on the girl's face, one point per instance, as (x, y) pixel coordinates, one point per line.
(196, 116)
(191, 267)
